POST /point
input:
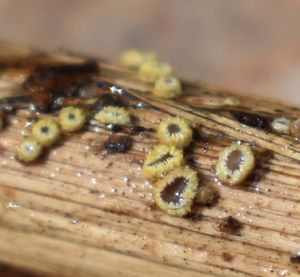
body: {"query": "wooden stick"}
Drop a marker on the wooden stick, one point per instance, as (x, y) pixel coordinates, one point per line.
(86, 213)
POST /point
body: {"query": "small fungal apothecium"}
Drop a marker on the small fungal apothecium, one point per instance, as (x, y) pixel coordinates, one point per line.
(235, 164)
(167, 87)
(152, 71)
(46, 131)
(175, 193)
(174, 131)
(29, 150)
(161, 159)
(134, 58)
(71, 119)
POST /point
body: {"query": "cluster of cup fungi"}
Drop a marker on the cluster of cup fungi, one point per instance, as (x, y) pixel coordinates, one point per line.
(153, 71)
(176, 185)
(47, 131)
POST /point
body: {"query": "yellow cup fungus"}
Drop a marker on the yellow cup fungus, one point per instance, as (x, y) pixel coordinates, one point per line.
(46, 131)
(151, 71)
(174, 131)
(113, 115)
(235, 164)
(175, 193)
(133, 58)
(71, 119)
(167, 88)
(29, 150)
(161, 160)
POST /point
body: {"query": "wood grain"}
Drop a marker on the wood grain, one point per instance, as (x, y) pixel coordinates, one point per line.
(83, 213)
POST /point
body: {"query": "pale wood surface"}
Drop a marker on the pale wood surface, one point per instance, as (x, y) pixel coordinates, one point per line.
(86, 213)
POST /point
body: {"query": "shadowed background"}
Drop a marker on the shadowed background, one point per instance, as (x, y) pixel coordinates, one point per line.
(239, 44)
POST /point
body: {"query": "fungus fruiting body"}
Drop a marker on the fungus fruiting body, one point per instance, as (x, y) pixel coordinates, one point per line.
(174, 131)
(134, 58)
(167, 88)
(295, 128)
(29, 150)
(235, 163)
(152, 71)
(281, 125)
(231, 101)
(175, 193)
(161, 160)
(71, 119)
(46, 131)
(113, 115)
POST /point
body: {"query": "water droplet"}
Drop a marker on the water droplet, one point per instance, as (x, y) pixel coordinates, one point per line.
(126, 180)
(52, 175)
(93, 181)
(102, 195)
(257, 189)
(79, 174)
(140, 105)
(59, 101)
(25, 130)
(283, 272)
(115, 89)
(12, 205)
(268, 268)
(32, 108)
(204, 149)
(217, 181)
(95, 129)
(141, 194)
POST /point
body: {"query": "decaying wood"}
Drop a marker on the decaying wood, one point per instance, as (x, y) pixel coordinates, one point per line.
(83, 212)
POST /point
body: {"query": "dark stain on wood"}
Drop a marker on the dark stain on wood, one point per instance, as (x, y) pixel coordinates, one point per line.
(195, 217)
(113, 128)
(136, 129)
(118, 144)
(231, 226)
(252, 120)
(295, 258)
(227, 257)
(48, 82)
